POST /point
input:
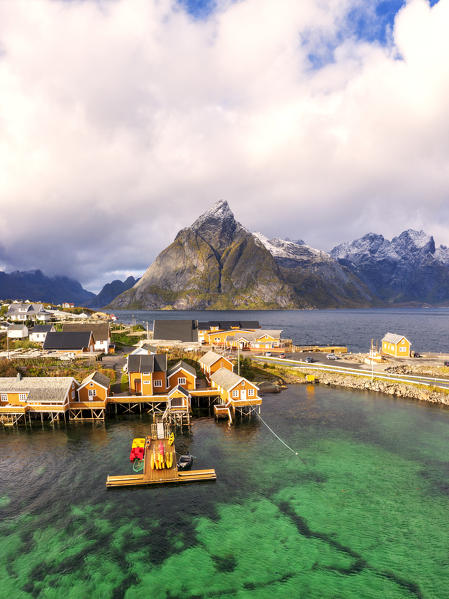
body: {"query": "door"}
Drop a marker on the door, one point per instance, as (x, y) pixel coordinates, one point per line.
(243, 394)
(138, 385)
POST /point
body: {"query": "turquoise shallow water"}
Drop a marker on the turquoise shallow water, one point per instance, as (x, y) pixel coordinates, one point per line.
(363, 513)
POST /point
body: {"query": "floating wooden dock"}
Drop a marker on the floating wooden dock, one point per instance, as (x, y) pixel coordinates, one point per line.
(153, 476)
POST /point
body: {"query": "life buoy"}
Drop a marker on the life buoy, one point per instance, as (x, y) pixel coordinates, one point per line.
(171, 439)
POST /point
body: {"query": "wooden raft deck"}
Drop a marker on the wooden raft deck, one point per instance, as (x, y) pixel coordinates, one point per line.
(166, 475)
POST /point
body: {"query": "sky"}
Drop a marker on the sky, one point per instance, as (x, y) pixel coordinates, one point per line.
(123, 120)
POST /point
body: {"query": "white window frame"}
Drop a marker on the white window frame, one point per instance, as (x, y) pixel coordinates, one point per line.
(92, 392)
(22, 396)
(250, 392)
(235, 393)
(3, 397)
(157, 383)
(182, 380)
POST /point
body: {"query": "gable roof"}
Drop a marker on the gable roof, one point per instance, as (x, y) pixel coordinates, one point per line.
(181, 365)
(67, 341)
(147, 363)
(41, 328)
(97, 377)
(43, 389)
(393, 338)
(100, 330)
(226, 325)
(176, 330)
(210, 358)
(25, 307)
(227, 379)
(178, 388)
(17, 327)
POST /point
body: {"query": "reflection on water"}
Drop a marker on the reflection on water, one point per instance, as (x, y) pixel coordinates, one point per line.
(363, 513)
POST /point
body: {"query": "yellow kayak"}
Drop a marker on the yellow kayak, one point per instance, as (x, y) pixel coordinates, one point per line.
(171, 439)
(169, 460)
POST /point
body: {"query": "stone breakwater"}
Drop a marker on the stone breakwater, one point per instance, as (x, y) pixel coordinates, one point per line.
(421, 393)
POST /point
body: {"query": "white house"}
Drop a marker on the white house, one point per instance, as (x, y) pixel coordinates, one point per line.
(39, 333)
(17, 331)
(23, 311)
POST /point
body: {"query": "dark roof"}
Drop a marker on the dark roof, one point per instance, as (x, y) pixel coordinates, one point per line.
(179, 330)
(226, 325)
(97, 377)
(181, 389)
(67, 341)
(100, 330)
(183, 365)
(151, 363)
(42, 328)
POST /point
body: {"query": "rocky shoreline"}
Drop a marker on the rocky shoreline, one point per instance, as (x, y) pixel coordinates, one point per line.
(418, 392)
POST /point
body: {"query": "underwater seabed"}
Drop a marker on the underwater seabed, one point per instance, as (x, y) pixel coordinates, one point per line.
(362, 511)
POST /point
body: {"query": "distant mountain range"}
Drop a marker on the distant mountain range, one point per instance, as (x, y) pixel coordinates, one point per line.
(216, 263)
(36, 286)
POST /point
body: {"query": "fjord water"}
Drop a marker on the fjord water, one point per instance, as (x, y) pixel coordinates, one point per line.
(427, 328)
(361, 512)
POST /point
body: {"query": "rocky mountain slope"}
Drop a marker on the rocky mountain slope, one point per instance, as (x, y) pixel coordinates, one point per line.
(407, 269)
(315, 276)
(213, 264)
(35, 286)
(110, 291)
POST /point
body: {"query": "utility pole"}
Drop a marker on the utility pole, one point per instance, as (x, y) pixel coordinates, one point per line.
(238, 359)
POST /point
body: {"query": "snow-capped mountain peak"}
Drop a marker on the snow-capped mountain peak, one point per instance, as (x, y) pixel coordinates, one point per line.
(291, 250)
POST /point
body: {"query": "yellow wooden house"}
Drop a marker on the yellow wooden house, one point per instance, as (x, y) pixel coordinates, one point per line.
(395, 345)
(210, 362)
(94, 387)
(147, 375)
(182, 374)
(235, 390)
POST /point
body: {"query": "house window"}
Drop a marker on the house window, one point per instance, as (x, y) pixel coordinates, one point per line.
(250, 392)
(4, 397)
(182, 380)
(73, 394)
(402, 349)
(217, 339)
(158, 383)
(235, 393)
(22, 396)
(92, 392)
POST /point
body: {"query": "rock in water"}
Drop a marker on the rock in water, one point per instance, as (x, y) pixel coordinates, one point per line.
(213, 264)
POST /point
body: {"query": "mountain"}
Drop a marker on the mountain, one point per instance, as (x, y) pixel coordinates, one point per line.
(110, 291)
(314, 275)
(35, 286)
(214, 264)
(407, 269)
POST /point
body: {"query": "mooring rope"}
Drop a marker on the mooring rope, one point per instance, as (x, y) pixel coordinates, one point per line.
(281, 440)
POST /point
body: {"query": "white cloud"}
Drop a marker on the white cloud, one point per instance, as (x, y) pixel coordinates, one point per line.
(121, 121)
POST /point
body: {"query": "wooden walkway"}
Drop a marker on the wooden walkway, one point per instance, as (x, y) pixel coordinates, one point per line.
(151, 476)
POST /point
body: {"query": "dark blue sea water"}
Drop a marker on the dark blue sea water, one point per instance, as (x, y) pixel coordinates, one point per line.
(426, 328)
